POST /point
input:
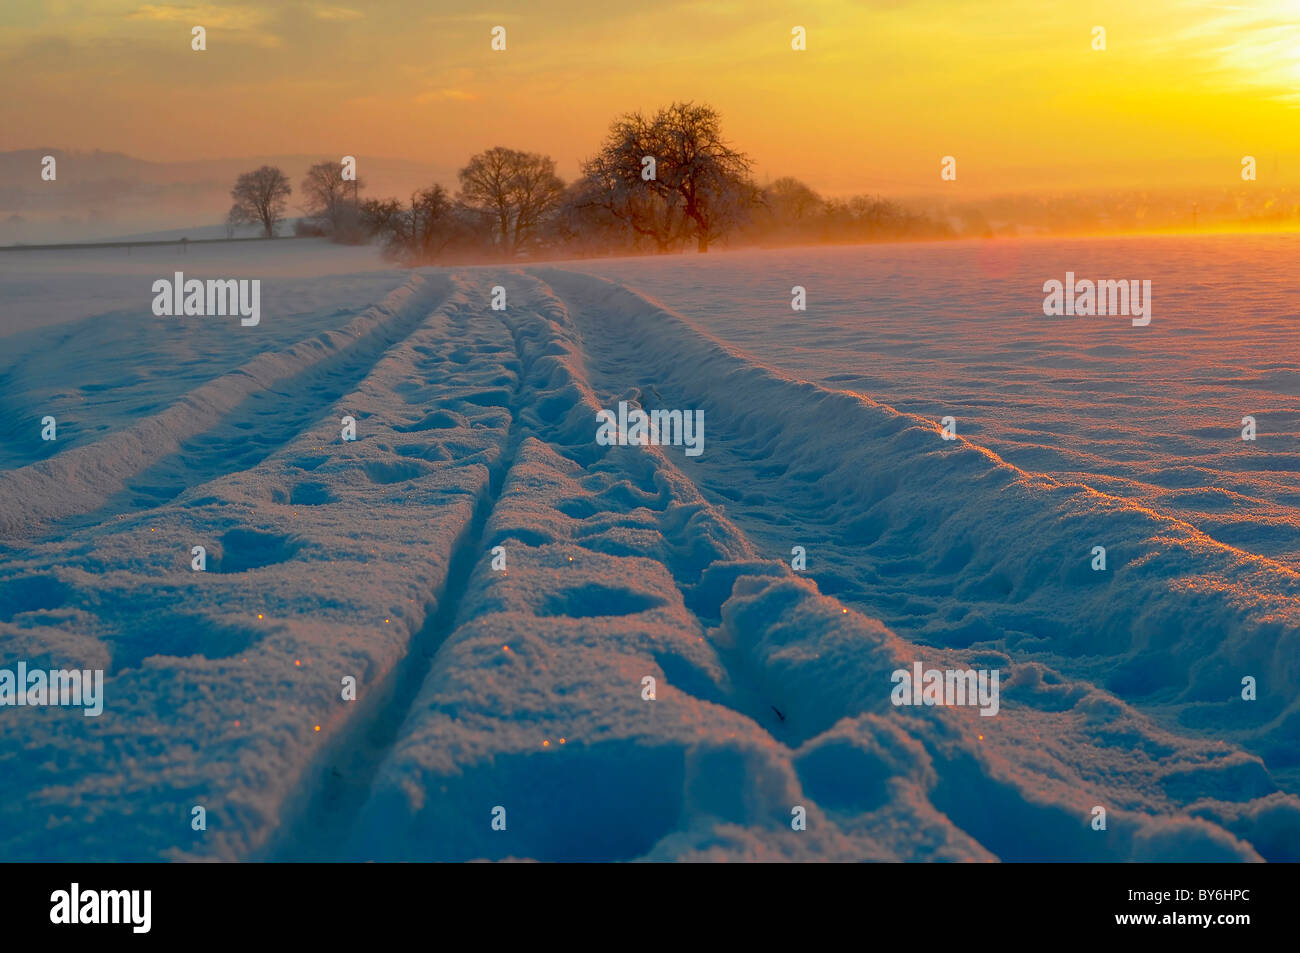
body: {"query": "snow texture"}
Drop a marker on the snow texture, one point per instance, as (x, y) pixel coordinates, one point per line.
(522, 688)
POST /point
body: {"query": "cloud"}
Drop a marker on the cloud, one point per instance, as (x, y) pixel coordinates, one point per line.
(206, 15)
(336, 13)
(474, 18)
(244, 25)
(442, 95)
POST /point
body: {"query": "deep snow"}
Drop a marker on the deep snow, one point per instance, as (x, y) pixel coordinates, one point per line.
(522, 688)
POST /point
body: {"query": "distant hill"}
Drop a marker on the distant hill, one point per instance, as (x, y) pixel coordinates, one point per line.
(99, 195)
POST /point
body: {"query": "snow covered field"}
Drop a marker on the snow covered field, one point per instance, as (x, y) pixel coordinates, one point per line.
(522, 688)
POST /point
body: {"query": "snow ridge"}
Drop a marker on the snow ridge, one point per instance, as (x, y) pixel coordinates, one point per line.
(523, 687)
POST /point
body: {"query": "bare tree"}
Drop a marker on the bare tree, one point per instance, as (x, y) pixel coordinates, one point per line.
(616, 176)
(262, 196)
(377, 215)
(711, 179)
(789, 200)
(584, 224)
(426, 229)
(234, 218)
(332, 199)
(516, 190)
(700, 185)
(433, 224)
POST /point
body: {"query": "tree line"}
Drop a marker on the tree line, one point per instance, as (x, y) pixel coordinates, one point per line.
(657, 183)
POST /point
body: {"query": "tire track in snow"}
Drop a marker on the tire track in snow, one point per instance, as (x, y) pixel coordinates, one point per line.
(705, 702)
(194, 439)
(742, 696)
(338, 785)
(605, 367)
(256, 697)
(646, 356)
(993, 562)
(342, 780)
(628, 494)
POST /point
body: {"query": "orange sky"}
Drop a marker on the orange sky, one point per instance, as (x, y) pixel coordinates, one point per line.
(1012, 88)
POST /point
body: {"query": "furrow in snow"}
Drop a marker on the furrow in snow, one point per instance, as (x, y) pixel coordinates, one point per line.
(224, 686)
(953, 548)
(219, 426)
(324, 811)
(616, 569)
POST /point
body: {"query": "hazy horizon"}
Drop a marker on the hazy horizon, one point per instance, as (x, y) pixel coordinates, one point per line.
(104, 195)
